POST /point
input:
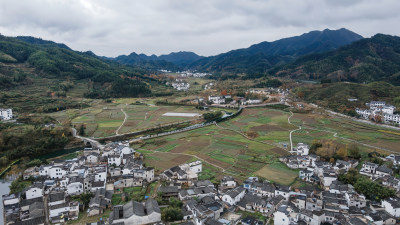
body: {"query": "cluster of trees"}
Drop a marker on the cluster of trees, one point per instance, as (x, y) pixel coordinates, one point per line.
(12, 78)
(20, 184)
(269, 83)
(212, 116)
(335, 95)
(173, 212)
(362, 184)
(32, 142)
(332, 151)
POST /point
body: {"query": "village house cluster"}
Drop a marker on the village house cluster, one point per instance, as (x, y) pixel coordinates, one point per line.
(180, 85)
(6, 114)
(99, 172)
(333, 203)
(193, 74)
(108, 171)
(380, 109)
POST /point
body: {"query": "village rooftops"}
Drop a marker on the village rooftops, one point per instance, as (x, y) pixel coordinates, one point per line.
(56, 196)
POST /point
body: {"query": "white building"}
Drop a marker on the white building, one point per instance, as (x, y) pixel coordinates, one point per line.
(217, 99)
(302, 149)
(114, 159)
(234, 196)
(6, 114)
(285, 215)
(253, 101)
(34, 191)
(92, 158)
(392, 206)
(75, 188)
(56, 172)
(64, 212)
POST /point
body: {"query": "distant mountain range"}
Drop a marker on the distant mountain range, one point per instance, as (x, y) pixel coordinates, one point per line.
(367, 60)
(335, 55)
(258, 58)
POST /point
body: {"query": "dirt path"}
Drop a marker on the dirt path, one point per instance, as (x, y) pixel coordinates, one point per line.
(290, 134)
(197, 157)
(123, 122)
(335, 134)
(245, 136)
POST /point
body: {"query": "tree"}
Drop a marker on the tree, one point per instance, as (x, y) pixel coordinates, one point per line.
(353, 151)
(224, 92)
(176, 203)
(82, 130)
(342, 153)
(3, 161)
(171, 214)
(83, 199)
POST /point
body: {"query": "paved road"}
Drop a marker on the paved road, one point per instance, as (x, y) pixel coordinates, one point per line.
(126, 117)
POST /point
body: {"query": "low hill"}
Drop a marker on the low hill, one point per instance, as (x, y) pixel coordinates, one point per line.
(148, 62)
(39, 41)
(367, 60)
(181, 59)
(256, 59)
(174, 61)
(335, 95)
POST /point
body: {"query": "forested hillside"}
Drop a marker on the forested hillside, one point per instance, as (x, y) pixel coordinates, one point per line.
(335, 95)
(257, 59)
(371, 59)
(25, 57)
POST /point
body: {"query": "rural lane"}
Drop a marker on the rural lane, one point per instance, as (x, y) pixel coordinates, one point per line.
(123, 122)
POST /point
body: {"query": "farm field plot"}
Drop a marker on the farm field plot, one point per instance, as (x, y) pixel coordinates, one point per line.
(278, 172)
(227, 149)
(103, 119)
(263, 124)
(141, 117)
(241, 157)
(323, 127)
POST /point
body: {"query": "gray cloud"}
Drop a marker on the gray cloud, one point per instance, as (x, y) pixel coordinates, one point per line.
(207, 27)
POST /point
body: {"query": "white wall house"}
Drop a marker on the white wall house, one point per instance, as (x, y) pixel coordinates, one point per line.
(392, 206)
(234, 196)
(114, 159)
(75, 188)
(302, 149)
(127, 150)
(216, 99)
(196, 166)
(92, 158)
(34, 192)
(44, 170)
(285, 215)
(6, 114)
(56, 172)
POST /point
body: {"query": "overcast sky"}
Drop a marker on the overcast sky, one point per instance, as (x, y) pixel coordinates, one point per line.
(207, 27)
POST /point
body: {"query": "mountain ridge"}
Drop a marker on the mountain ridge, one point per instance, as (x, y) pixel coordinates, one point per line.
(367, 60)
(262, 56)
